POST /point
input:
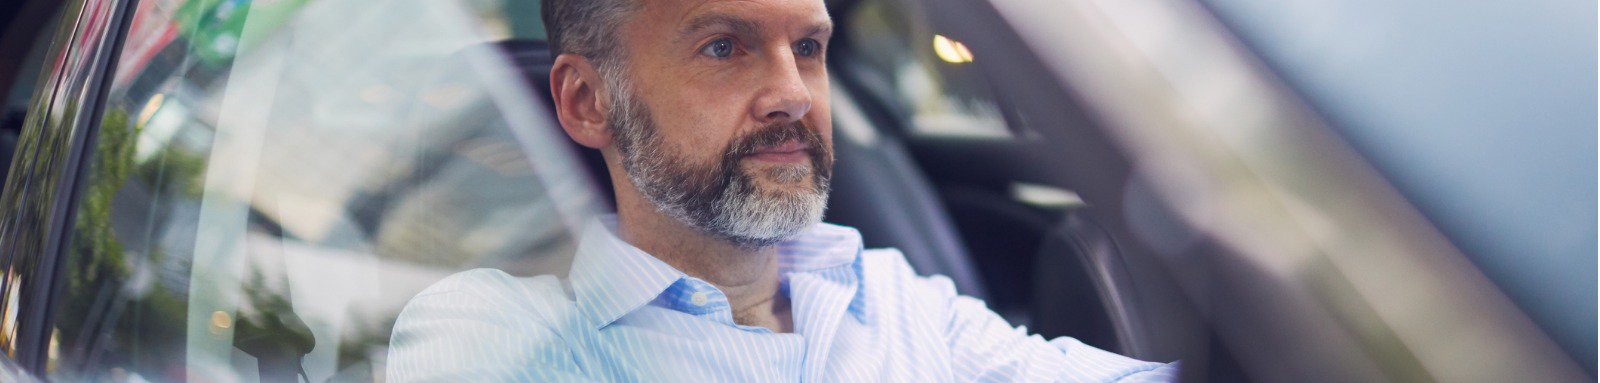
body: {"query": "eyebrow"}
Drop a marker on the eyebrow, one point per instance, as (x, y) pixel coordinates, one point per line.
(738, 25)
(823, 28)
(741, 26)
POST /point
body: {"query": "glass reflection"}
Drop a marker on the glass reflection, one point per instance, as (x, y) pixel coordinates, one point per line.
(272, 181)
(35, 198)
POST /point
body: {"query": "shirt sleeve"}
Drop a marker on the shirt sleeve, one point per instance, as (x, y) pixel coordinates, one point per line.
(984, 348)
(470, 328)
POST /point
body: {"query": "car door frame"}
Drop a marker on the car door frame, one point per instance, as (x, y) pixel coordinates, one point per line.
(40, 197)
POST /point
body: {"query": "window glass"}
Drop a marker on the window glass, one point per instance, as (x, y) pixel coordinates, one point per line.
(937, 86)
(518, 19)
(24, 82)
(273, 180)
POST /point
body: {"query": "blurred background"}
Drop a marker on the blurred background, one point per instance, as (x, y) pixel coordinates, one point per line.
(1315, 190)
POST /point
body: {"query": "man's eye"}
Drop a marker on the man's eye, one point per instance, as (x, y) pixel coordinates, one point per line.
(721, 48)
(807, 48)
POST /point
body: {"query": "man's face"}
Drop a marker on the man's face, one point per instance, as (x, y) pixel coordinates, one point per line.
(722, 119)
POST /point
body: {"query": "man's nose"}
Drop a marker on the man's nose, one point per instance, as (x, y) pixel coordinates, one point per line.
(784, 96)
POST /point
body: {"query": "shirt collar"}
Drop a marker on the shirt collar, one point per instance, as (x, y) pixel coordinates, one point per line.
(611, 278)
(833, 252)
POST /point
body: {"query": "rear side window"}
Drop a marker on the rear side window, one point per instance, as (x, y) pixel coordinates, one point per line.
(272, 181)
(934, 82)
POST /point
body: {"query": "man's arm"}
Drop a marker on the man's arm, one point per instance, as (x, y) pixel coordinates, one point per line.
(986, 348)
(478, 326)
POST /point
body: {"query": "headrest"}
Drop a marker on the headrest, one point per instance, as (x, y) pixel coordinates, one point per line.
(532, 58)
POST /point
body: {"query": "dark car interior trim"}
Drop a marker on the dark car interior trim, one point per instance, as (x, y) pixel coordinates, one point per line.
(35, 335)
(21, 21)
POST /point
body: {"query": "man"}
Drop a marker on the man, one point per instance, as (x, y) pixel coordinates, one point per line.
(713, 118)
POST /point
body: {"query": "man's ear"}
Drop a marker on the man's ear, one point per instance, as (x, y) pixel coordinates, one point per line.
(575, 88)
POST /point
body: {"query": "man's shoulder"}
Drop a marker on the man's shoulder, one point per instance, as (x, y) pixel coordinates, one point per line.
(491, 290)
(444, 331)
(887, 260)
(887, 270)
(486, 281)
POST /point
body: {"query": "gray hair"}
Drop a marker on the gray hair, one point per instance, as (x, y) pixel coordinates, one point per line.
(588, 28)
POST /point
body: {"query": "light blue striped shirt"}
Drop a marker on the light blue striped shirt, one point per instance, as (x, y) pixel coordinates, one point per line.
(623, 315)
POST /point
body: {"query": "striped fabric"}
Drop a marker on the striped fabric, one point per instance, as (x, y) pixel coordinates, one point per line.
(625, 316)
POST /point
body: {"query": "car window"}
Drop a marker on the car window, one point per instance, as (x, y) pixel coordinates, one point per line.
(928, 78)
(23, 83)
(1407, 86)
(271, 182)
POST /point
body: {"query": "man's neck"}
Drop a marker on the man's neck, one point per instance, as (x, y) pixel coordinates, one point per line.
(748, 276)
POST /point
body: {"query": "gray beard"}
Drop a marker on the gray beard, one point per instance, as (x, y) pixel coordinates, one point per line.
(721, 199)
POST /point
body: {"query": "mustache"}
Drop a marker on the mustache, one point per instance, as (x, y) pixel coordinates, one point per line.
(730, 172)
(776, 134)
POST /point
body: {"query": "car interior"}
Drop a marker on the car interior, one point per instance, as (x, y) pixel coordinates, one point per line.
(979, 156)
(24, 32)
(1042, 264)
(975, 207)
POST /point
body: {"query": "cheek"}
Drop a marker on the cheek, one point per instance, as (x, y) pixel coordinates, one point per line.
(702, 113)
(821, 114)
(821, 120)
(701, 130)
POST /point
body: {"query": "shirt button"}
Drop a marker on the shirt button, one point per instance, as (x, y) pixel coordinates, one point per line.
(699, 298)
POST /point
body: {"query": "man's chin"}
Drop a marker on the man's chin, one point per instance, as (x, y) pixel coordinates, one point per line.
(766, 235)
(772, 214)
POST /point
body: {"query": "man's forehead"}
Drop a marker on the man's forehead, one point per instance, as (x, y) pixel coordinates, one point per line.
(687, 15)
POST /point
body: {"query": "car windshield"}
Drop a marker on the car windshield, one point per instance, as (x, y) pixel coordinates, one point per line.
(306, 190)
(273, 180)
